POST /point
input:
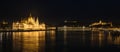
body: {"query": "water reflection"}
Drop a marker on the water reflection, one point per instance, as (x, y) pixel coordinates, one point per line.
(104, 39)
(97, 38)
(0, 42)
(5, 42)
(50, 41)
(91, 39)
(57, 41)
(28, 41)
(117, 40)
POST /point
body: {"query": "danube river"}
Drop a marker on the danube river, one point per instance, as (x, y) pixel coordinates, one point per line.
(59, 41)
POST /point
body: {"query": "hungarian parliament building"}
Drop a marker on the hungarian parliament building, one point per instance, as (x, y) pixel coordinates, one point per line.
(28, 24)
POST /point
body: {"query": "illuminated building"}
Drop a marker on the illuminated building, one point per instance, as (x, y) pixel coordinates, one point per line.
(4, 25)
(28, 24)
(101, 24)
(71, 23)
(73, 26)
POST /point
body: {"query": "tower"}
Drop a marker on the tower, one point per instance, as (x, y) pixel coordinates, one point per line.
(37, 21)
(100, 21)
(31, 19)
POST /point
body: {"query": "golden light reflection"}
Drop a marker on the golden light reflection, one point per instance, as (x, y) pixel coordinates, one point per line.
(83, 38)
(109, 38)
(51, 34)
(65, 36)
(92, 39)
(1, 37)
(29, 41)
(97, 37)
(1, 40)
(117, 40)
(41, 41)
(50, 43)
(101, 37)
(52, 37)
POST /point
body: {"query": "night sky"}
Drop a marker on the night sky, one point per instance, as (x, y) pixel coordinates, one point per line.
(56, 11)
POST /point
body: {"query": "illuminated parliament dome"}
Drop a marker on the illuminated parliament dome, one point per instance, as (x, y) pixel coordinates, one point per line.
(28, 24)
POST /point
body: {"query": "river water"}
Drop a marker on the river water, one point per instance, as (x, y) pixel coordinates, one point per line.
(59, 41)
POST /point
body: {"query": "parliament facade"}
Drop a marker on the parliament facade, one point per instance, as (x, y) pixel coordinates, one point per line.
(28, 24)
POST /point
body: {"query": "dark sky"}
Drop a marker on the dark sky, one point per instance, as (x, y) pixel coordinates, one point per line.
(56, 11)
